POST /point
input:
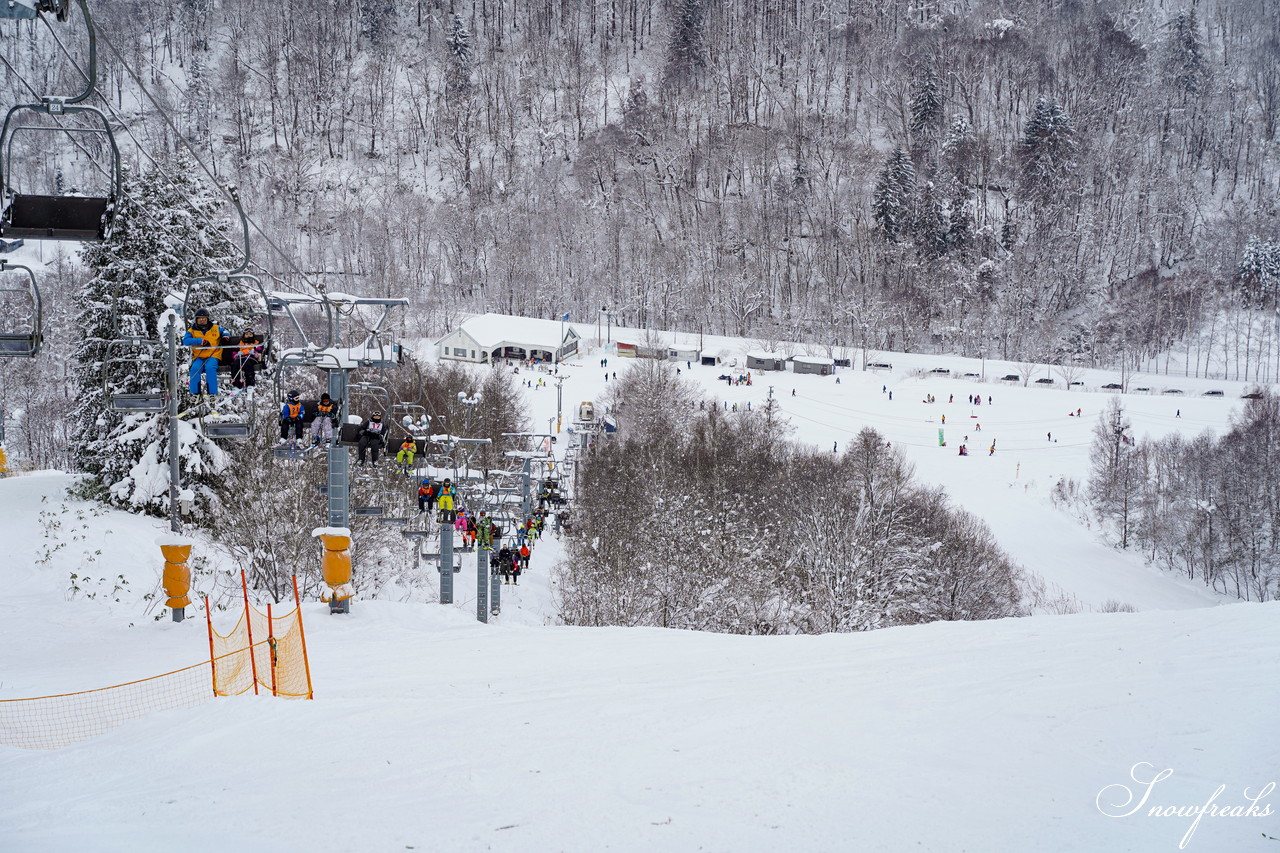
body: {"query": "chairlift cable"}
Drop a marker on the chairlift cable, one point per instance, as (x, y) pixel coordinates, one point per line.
(124, 125)
(181, 239)
(317, 286)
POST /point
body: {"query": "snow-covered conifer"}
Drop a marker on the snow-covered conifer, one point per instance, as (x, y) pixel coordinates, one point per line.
(1046, 146)
(167, 232)
(891, 202)
(1259, 273)
(926, 107)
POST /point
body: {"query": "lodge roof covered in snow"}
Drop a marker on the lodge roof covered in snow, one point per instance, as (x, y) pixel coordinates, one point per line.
(487, 336)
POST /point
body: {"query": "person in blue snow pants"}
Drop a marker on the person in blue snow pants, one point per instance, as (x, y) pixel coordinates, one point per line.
(203, 337)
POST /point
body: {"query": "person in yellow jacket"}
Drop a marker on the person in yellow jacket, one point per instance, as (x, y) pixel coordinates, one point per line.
(205, 339)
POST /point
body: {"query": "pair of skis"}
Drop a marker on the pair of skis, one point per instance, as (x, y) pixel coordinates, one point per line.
(206, 406)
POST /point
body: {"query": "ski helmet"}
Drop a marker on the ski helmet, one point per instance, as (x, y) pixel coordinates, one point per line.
(293, 395)
(377, 416)
(325, 398)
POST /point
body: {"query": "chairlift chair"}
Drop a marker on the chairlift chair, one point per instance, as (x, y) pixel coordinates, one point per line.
(19, 296)
(115, 356)
(57, 216)
(29, 10)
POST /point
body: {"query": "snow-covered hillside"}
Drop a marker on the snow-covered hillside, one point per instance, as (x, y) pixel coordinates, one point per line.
(430, 731)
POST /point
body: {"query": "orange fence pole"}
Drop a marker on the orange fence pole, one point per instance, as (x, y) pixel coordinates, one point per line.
(306, 660)
(248, 623)
(271, 643)
(213, 667)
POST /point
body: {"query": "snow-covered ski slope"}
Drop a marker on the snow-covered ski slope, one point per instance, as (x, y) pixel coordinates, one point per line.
(430, 731)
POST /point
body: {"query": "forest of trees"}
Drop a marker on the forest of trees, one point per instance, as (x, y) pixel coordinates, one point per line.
(1057, 181)
(710, 520)
(1206, 507)
(1072, 183)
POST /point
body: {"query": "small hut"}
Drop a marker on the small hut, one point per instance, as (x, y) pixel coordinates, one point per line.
(813, 364)
(761, 360)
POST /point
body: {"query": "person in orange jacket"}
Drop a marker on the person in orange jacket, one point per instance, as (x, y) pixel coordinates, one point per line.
(205, 340)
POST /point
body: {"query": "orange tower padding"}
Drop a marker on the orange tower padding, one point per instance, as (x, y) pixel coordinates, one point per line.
(335, 566)
(177, 575)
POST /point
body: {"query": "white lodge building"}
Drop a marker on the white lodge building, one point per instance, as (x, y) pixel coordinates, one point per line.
(490, 337)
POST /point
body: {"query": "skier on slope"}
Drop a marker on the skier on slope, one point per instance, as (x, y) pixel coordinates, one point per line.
(504, 563)
(204, 337)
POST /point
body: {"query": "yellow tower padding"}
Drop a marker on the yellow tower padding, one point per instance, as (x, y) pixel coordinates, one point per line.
(4, 463)
(177, 575)
(335, 564)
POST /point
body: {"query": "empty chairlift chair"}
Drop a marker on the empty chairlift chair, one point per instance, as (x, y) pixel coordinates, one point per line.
(50, 213)
(123, 356)
(20, 311)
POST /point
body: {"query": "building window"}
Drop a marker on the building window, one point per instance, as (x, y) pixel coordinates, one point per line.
(460, 352)
(473, 353)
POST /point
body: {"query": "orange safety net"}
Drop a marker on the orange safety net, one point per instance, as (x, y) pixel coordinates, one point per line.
(274, 662)
(52, 722)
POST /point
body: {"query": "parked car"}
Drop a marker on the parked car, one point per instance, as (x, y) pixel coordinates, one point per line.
(1011, 377)
(944, 371)
(1172, 391)
(1213, 392)
(880, 365)
(1044, 380)
(1141, 388)
(1113, 386)
(973, 376)
(1077, 382)
(1252, 395)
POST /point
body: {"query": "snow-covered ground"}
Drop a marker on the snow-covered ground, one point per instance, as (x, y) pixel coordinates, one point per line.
(431, 731)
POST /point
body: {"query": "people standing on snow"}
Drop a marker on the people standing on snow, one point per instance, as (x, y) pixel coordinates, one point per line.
(370, 438)
(325, 420)
(246, 358)
(291, 416)
(205, 339)
(504, 563)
